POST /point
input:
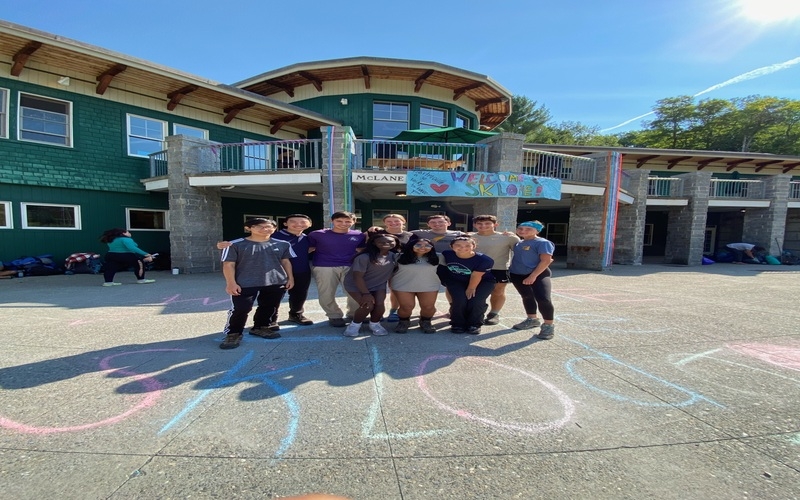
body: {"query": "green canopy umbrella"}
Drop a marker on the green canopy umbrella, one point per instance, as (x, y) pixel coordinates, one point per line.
(446, 135)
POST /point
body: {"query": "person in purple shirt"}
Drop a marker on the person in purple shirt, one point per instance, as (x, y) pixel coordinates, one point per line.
(468, 277)
(294, 225)
(334, 250)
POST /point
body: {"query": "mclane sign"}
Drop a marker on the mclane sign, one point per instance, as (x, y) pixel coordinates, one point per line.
(379, 178)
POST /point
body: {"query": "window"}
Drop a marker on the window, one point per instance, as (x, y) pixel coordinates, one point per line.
(144, 219)
(255, 157)
(557, 233)
(145, 135)
(50, 216)
(178, 129)
(432, 117)
(462, 121)
(389, 119)
(648, 235)
(710, 241)
(5, 215)
(3, 113)
(44, 120)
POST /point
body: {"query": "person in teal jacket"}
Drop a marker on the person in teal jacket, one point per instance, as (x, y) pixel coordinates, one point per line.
(123, 253)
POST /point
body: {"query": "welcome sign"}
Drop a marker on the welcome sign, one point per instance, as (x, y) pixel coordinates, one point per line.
(481, 185)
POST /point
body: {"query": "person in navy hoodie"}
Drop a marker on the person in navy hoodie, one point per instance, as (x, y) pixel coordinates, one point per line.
(468, 277)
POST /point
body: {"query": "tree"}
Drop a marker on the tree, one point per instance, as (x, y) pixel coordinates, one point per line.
(526, 118)
(674, 119)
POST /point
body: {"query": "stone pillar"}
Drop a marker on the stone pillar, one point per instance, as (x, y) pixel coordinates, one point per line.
(195, 214)
(504, 155)
(686, 228)
(592, 218)
(337, 154)
(629, 238)
(766, 226)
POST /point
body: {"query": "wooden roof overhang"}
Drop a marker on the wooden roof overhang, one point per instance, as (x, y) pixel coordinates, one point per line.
(492, 102)
(688, 160)
(25, 48)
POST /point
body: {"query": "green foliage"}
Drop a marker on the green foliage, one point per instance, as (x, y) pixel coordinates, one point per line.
(526, 118)
(747, 124)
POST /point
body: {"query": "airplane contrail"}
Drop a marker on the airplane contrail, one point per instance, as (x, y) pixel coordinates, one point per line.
(756, 73)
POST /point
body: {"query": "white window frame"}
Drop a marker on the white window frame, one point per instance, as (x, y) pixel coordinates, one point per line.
(551, 229)
(432, 125)
(261, 159)
(647, 240)
(203, 132)
(128, 225)
(128, 134)
(20, 121)
(24, 215)
(467, 121)
(8, 222)
(391, 104)
(4, 104)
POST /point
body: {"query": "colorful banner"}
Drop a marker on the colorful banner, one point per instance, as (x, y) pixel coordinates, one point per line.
(481, 185)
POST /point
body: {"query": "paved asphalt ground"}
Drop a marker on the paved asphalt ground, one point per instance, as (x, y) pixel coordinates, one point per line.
(661, 382)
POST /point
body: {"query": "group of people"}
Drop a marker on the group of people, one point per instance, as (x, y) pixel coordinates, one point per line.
(410, 266)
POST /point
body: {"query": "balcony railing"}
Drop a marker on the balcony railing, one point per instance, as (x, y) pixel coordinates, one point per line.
(794, 190)
(736, 188)
(559, 166)
(373, 154)
(158, 164)
(664, 187)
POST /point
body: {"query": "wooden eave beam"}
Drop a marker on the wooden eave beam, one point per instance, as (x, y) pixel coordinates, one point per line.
(21, 57)
(789, 166)
(286, 88)
(641, 161)
(734, 164)
(760, 166)
(457, 93)
(481, 104)
(280, 122)
(704, 163)
(104, 79)
(175, 97)
(313, 79)
(675, 161)
(232, 111)
(421, 79)
(365, 74)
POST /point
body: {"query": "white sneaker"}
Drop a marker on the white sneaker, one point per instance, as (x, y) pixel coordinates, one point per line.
(352, 329)
(377, 329)
(111, 283)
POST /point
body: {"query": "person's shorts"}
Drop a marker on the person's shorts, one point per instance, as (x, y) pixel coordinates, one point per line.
(500, 275)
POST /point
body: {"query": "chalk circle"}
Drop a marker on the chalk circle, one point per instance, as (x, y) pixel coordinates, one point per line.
(693, 397)
(151, 386)
(591, 321)
(538, 427)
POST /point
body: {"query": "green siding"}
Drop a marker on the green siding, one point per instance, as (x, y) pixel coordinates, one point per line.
(96, 173)
(357, 114)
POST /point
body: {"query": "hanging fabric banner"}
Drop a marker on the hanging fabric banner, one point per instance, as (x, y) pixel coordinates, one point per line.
(481, 184)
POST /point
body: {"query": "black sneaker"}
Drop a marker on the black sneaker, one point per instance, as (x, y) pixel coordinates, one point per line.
(265, 332)
(457, 329)
(337, 322)
(492, 319)
(473, 330)
(300, 319)
(274, 326)
(231, 341)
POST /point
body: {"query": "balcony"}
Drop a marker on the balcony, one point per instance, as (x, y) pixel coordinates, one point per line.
(400, 155)
(559, 166)
(664, 187)
(736, 189)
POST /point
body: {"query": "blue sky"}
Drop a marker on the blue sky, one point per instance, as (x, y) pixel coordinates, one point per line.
(597, 62)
